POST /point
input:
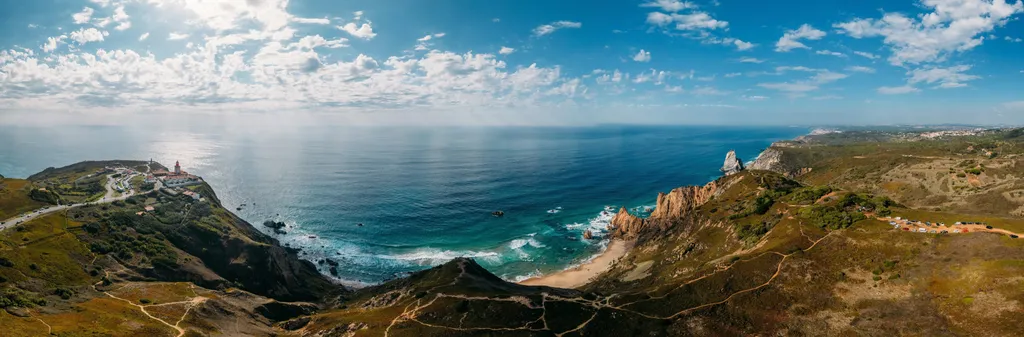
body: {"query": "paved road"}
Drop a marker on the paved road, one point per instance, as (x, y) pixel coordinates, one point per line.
(107, 198)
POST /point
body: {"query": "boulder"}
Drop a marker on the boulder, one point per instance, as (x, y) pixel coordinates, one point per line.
(588, 235)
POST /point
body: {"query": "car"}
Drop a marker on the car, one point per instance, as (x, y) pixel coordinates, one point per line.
(1013, 236)
(988, 227)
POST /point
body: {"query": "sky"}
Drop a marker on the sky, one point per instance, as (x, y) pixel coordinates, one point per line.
(522, 62)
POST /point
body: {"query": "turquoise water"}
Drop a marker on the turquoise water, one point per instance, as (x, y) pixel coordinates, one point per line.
(423, 195)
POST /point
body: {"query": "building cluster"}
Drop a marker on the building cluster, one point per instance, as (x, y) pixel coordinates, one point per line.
(177, 178)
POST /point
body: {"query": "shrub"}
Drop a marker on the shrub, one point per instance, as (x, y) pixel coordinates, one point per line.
(64, 293)
(889, 264)
(877, 278)
(145, 301)
(4, 262)
(894, 276)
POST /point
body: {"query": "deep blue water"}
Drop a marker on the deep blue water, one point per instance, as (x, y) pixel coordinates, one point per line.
(424, 195)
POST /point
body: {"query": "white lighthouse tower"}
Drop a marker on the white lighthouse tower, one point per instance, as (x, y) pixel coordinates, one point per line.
(177, 168)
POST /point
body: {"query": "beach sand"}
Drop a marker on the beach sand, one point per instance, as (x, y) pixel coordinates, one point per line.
(579, 276)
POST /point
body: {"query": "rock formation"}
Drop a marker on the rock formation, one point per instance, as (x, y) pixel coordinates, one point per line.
(673, 205)
(732, 164)
(626, 225)
(681, 201)
(588, 235)
(772, 159)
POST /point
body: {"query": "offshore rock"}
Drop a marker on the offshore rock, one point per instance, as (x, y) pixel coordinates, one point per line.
(732, 164)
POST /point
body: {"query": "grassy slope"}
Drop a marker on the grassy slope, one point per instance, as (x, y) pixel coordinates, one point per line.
(14, 198)
(182, 241)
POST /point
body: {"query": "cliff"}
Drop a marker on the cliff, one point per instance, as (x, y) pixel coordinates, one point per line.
(775, 159)
(674, 205)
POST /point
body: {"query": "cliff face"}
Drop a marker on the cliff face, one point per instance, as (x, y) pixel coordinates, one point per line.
(627, 225)
(674, 205)
(774, 159)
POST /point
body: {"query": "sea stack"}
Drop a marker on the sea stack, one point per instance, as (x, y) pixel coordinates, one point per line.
(732, 164)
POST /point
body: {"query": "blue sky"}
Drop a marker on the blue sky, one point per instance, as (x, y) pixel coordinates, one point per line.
(515, 62)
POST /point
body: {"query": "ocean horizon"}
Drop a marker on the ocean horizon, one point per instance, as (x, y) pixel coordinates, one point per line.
(423, 196)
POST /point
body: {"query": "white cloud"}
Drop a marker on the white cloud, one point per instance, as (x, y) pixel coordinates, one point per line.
(801, 87)
(642, 56)
(691, 21)
(671, 6)
(952, 26)
(101, 3)
(121, 17)
(741, 45)
(751, 60)
(867, 55)
(496, 20)
(707, 91)
(86, 35)
(223, 15)
(177, 36)
(506, 50)
(831, 53)
(144, 36)
(83, 17)
(357, 15)
(861, 69)
(314, 21)
(791, 39)
(430, 37)
(424, 41)
(731, 75)
(1012, 39)
(906, 89)
(952, 77)
(554, 26)
(364, 32)
(53, 42)
(753, 98)
(674, 89)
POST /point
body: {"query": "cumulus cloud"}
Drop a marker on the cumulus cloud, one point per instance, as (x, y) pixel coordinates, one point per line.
(642, 56)
(221, 16)
(951, 26)
(741, 45)
(144, 36)
(670, 5)
(791, 39)
(506, 50)
(121, 18)
(751, 60)
(365, 31)
(86, 35)
(83, 17)
(690, 21)
(554, 26)
(52, 43)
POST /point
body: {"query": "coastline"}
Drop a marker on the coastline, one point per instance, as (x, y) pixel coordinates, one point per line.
(581, 275)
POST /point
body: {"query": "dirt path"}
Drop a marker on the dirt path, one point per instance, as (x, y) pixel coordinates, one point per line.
(972, 228)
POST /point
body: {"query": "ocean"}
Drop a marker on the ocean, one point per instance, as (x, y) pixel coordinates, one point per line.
(423, 195)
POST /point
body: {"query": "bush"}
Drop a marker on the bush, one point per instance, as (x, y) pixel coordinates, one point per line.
(4, 262)
(889, 264)
(64, 293)
(145, 301)
(877, 278)
(894, 276)
(810, 194)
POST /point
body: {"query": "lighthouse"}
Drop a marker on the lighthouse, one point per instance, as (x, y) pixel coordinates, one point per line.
(177, 168)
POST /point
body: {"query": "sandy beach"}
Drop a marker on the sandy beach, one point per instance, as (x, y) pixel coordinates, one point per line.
(579, 276)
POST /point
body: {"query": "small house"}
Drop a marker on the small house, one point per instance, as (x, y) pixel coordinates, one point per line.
(150, 208)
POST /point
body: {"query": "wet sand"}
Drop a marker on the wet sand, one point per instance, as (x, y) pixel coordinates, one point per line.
(579, 276)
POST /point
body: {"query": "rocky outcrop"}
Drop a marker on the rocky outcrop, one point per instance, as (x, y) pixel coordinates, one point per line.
(626, 225)
(732, 164)
(774, 159)
(679, 202)
(670, 206)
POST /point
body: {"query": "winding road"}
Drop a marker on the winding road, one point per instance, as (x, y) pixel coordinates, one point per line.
(107, 198)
